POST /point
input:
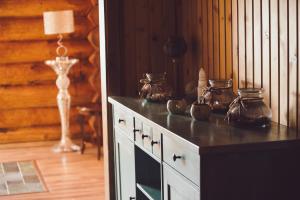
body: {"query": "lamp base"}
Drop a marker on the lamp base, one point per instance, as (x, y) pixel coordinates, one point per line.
(65, 146)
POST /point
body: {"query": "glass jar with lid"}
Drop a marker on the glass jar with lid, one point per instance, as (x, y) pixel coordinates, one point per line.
(155, 87)
(219, 95)
(250, 109)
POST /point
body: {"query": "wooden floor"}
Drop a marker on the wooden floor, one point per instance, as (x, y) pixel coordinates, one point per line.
(67, 176)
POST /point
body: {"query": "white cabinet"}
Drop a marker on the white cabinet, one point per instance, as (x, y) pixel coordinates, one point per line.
(177, 187)
(125, 166)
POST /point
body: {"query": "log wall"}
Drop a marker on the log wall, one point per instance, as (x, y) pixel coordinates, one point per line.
(28, 109)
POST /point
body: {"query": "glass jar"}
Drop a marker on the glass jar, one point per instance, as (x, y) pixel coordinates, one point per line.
(249, 109)
(219, 95)
(155, 88)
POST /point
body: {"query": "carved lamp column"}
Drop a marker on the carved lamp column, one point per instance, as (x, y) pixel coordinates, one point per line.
(62, 22)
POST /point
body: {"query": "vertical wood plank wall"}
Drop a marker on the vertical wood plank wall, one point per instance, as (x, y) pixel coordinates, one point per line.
(255, 42)
(260, 50)
(28, 110)
(145, 27)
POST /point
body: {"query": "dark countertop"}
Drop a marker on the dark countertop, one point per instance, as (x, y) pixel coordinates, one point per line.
(214, 135)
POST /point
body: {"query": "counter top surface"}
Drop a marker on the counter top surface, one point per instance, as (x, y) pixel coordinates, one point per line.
(214, 135)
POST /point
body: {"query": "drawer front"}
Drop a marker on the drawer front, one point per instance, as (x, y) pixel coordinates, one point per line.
(138, 126)
(124, 121)
(182, 157)
(147, 137)
(143, 135)
(156, 142)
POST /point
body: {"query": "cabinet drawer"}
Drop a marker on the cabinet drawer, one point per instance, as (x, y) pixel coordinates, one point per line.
(124, 121)
(138, 127)
(183, 157)
(156, 143)
(143, 135)
(147, 137)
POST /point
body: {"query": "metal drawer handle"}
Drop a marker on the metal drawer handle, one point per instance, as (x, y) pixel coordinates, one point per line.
(121, 120)
(144, 136)
(175, 157)
(131, 198)
(154, 142)
(136, 130)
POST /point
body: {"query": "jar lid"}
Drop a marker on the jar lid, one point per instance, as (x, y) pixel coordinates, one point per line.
(219, 83)
(251, 92)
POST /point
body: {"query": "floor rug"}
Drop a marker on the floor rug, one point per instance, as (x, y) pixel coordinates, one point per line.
(20, 177)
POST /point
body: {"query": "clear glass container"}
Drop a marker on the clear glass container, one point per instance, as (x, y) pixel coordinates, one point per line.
(219, 95)
(155, 88)
(249, 109)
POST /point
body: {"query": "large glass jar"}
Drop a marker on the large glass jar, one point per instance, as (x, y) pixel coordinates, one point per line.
(249, 109)
(155, 88)
(219, 95)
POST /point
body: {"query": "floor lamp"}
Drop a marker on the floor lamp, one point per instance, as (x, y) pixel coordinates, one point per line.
(59, 23)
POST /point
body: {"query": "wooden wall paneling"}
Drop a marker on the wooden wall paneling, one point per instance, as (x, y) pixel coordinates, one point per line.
(266, 54)
(205, 32)
(185, 23)
(283, 64)
(274, 34)
(249, 43)
(142, 38)
(257, 41)
(235, 45)
(293, 57)
(169, 30)
(156, 38)
(242, 43)
(222, 36)
(34, 8)
(197, 39)
(216, 39)
(263, 51)
(211, 39)
(228, 39)
(129, 45)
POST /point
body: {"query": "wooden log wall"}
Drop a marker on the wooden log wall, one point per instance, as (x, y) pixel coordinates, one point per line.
(28, 109)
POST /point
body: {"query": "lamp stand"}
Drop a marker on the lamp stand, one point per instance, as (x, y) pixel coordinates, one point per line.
(61, 65)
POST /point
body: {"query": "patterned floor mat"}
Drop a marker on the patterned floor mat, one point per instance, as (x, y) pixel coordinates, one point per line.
(20, 177)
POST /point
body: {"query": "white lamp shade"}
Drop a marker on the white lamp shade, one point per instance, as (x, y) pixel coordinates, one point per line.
(58, 22)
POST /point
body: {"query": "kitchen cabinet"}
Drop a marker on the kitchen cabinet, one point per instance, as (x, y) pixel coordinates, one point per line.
(125, 167)
(172, 157)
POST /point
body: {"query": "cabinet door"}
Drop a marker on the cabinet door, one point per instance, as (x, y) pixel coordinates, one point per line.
(177, 187)
(125, 166)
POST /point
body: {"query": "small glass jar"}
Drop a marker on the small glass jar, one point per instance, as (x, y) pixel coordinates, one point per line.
(249, 109)
(155, 88)
(219, 95)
